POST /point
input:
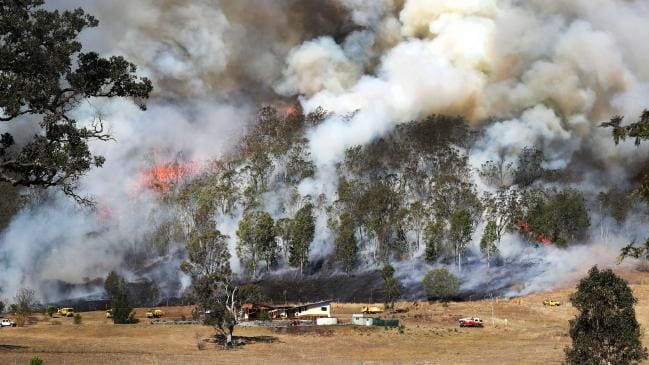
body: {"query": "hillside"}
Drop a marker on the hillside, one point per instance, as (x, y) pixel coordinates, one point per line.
(324, 141)
(525, 332)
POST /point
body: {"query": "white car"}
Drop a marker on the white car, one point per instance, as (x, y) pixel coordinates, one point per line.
(7, 323)
(471, 322)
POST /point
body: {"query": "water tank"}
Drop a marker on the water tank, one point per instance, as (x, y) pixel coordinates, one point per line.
(326, 321)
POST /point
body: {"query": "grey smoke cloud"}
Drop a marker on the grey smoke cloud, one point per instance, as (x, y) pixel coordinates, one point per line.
(529, 73)
(543, 73)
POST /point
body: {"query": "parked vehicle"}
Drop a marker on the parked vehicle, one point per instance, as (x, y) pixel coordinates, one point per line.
(66, 312)
(372, 309)
(7, 323)
(471, 322)
(154, 313)
(551, 302)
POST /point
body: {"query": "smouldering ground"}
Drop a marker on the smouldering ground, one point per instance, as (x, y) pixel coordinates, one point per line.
(531, 334)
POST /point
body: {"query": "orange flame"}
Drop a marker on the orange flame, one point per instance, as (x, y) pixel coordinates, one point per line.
(542, 238)
(292, 110)
(164, 176)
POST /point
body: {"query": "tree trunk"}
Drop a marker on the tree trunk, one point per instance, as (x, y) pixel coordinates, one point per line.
(488, 256)
(228, 337)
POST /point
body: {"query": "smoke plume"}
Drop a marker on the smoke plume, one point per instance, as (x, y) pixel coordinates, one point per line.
(540, 73)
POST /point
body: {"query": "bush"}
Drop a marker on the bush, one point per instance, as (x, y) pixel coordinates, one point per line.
(121, 304)
(50, 310)
(391, 286)
(77, 318)
(441, 284)
(35, 361)
(20, 320)
(24, 300)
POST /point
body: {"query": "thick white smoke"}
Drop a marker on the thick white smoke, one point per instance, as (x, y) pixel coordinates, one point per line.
(539, 73)
(198, 112)
(543, 73)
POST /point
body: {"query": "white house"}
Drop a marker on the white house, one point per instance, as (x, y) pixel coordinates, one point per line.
(318, 309)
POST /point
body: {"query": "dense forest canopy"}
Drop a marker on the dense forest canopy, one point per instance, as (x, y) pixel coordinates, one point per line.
(310, 139)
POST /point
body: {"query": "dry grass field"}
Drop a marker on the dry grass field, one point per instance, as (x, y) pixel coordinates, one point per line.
(521, 331)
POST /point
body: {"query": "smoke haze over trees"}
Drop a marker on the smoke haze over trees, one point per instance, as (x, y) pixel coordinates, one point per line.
(339, 136)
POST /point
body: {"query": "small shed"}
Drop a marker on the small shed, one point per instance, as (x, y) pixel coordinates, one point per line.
(361, 319)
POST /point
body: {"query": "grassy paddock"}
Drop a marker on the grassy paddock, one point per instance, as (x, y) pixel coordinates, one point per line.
(521, 331)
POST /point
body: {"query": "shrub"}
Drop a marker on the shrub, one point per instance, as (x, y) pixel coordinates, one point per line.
(35, 361)
(25, 301)
(441, 284)
(50, 310)
(20, 320)
(77, 318)
(121, 305)
(391, 286)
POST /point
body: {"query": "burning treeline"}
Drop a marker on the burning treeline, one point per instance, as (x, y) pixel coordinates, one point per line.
(415, 132)
(409, 195)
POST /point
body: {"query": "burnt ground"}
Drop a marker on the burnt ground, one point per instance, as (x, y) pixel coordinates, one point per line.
(352, 288)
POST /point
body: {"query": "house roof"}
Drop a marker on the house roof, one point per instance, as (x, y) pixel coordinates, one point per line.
(315, 304)
(255, 305)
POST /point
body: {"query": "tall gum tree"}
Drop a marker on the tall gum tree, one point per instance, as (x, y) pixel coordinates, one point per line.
(44, 75)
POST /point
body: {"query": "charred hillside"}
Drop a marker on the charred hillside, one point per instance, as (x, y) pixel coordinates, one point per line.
(319, 142)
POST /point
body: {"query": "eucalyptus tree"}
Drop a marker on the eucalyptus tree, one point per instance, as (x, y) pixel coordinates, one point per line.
(44, 76)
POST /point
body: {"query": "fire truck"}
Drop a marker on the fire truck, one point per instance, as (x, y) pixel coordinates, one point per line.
(470, 322)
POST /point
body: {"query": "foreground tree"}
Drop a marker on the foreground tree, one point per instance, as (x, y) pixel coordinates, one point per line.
(441, 284)
(120, 300)
(212, 288)
(639, 131)
(24, 302)
(606, 330)
(44, 74)
(122, 305)
(111, 284)
(391, 286)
